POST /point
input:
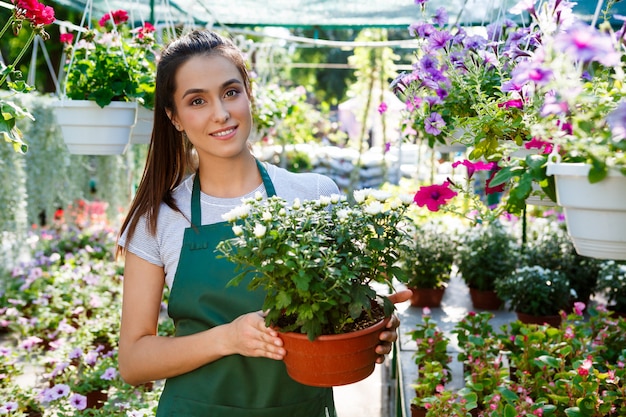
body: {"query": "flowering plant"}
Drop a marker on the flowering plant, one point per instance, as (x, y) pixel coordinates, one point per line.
(612, 283)
(455, 90)
(316, 259)
(535, 290)
(428, 256)
(432, 345)
(111, 62)
(36, 15)
(572, 92)
(488, 253)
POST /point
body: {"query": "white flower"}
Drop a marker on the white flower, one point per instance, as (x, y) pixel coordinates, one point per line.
(259, 230)
(267, 216)
(335, 198)
(239, 212)
(406, 199)
(296, 204)
(360, 195)
(374, 207)
(237, 230)
(343, 214)
(325, 200)
(381, 195)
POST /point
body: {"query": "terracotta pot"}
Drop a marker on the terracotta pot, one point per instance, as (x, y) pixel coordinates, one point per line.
(427, 297)
(417, 411)
(96, 399)
(485, 300)
(554, 321)
(332, 360)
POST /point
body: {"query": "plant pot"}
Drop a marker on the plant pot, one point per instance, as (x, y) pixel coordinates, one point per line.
(417, 411)
(427, 297)
(96, 399)
(332, 360)
(142, 131)
(89, 129)
(595, 214)
(485, 299)
(552, 320)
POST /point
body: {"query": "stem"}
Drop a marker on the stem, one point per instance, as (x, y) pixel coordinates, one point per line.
(4, 29)
(22, 52)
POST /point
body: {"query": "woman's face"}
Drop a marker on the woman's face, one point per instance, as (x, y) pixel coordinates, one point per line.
(212, 106)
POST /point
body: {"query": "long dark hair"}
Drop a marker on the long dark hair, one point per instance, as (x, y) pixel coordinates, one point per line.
(170, 155)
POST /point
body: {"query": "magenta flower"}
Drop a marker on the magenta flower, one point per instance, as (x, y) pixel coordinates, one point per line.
(474, 166)
(434, 196)
(579, 307)
(585, 43)
(536, 143)
(434, 124)
(382, 107)
(516, 104)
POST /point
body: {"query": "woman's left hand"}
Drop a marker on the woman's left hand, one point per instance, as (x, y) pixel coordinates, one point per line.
(389, 336)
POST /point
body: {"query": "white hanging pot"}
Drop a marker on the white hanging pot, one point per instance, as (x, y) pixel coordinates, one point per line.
(595, 214)
(142, 132)
(89, 129)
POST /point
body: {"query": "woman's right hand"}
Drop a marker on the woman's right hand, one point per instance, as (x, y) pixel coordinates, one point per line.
(249, 336)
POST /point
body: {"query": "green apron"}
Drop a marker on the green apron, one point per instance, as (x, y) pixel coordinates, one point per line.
(233, 386)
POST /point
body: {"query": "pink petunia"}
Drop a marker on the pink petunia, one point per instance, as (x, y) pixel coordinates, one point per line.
(434, 196)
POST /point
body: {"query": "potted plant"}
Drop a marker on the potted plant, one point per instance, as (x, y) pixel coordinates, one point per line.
(109, 72)
(536, 294)
(549, 246)
(487, 253)
(612, 284)
(574, 106)
(36, 15)
(426, 261)
(317, 261)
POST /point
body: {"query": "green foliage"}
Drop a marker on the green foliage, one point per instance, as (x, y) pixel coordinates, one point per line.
(316, 259)
(428, 256)
(612, 283)
(487, 252)
(535, 290)
(111, 65)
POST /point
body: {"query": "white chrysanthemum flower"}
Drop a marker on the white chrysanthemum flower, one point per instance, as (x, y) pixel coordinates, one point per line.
(237, 230)
(343, 214)
(267, 216)
(360, 195)
(296, 204)
(258, 196)
(325, 200)
(406, 198)
(239, 212)
(375, 207)
(381, 195)
(335, 198)
(259, 230)
(282, 212)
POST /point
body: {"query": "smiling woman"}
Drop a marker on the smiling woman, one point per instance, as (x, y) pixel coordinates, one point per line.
(232, 362)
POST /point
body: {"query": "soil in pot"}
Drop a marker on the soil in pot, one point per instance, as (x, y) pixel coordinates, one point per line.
(417, 411)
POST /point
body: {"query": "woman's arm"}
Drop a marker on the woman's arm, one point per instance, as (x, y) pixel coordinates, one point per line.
(144, 356)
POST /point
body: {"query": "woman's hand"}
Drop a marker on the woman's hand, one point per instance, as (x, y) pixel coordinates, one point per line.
(250, 337)
(389, 336)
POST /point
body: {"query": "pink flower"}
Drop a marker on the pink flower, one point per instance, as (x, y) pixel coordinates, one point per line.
(382, 107)
(426, 311)
(579, 307)
(66, 38)
(118, 16)
(474, 166)
(517, 104)
(434, 196)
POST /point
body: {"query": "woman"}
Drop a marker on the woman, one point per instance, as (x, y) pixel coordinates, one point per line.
(223, 361)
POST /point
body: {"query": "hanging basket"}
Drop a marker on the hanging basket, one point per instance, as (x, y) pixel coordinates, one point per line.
(89, 129)
(142, 132)
(595, 214)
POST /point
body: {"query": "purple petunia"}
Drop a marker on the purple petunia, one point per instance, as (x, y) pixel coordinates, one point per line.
(78, 401)
(585, 43)
(617, 122)
(441, 17)
(527, 71)
(434, 124)
(439, 39)
(109, 374)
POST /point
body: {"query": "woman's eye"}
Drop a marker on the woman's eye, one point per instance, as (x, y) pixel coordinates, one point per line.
(197, 101)
(231, 93)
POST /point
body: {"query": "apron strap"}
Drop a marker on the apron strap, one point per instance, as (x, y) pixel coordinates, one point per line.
(196, 211)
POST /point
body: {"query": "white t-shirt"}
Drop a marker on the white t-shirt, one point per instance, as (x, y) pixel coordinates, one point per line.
(163, 249)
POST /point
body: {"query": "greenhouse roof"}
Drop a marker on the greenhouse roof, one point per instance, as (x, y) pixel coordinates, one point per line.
(310, 14)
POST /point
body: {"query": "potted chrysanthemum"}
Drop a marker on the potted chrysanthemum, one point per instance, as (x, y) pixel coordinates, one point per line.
(110, 72)
(318, 262)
